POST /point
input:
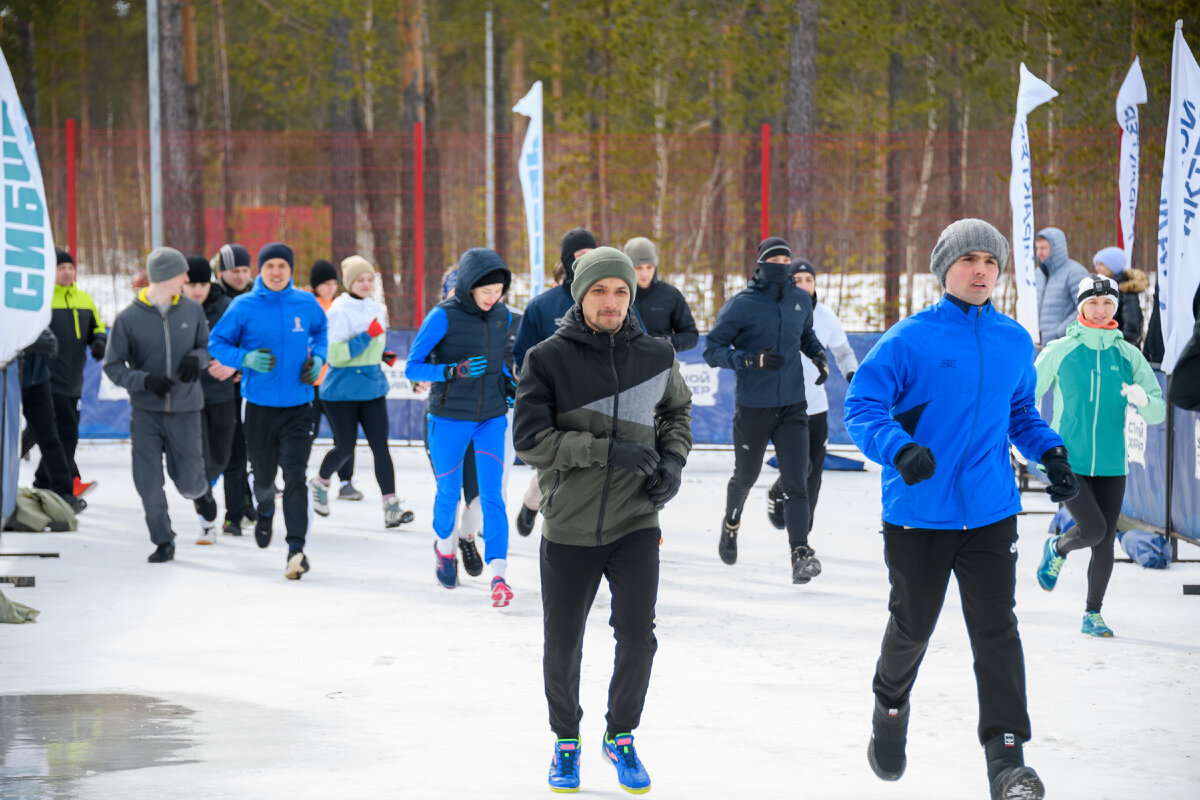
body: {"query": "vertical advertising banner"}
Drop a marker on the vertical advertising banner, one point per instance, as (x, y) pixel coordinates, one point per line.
(1131, 94)
(1179, 205)
(531, 170)
(1031, 93)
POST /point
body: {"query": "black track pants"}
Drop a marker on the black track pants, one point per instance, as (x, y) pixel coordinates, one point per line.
(54, 471)
(282, 438)
(787, 427)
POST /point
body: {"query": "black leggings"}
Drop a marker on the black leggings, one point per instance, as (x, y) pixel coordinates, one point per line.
(344, 418)
(818, 435)
(345, 471)
(1095, 510)
(787, 426)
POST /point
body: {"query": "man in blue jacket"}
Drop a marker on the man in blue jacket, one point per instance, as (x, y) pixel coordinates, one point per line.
(936, 402)
(276, 334)
(760, 333)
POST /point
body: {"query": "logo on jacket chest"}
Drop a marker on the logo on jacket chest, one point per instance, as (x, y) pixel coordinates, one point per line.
(948, 363)
(299, 328)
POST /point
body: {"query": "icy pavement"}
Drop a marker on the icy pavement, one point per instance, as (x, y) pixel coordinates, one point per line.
(368, 680)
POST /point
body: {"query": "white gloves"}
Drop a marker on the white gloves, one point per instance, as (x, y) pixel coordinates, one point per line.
(1134, 394)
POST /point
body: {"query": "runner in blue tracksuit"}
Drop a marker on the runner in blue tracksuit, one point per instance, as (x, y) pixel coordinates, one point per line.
(276, 334)
(460, 348)
(936, 402)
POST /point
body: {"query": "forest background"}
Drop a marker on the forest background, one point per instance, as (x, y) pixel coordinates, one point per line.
(296, 119)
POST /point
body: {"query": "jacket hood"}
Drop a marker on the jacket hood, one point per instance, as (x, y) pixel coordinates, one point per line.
(1058, 248)
(215, 292)
(1135, 282)
(474, 265)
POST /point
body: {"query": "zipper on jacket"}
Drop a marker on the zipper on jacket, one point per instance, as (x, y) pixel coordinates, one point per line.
(486, 352)
(167, 336)
(553, 489)
(779, 339)
(1095, 410)
(975, 420)
(612, 360)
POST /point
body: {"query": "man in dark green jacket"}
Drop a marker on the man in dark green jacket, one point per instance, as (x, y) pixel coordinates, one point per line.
(604, 415)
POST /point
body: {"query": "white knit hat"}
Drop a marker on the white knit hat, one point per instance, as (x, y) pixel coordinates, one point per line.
(1096, 286)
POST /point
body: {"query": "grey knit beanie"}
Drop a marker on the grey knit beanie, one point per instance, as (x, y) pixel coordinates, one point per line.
(165, 263)
(966, 236)
(641, 251)
(601, 263)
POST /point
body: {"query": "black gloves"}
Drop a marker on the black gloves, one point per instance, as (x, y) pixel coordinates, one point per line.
(1063, 483)
(189, 368)
(849, 376)
(823, 368)
(915, 463)
(471, 367)
(159, 384)
(97, 347)
(633, 456)
(664, 483)
(767, 359)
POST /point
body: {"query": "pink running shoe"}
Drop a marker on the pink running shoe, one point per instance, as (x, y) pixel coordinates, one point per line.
(501, 593)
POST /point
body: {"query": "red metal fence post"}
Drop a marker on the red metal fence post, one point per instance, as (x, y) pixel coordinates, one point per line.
(765, 224)
(419, 219)
(71, 188)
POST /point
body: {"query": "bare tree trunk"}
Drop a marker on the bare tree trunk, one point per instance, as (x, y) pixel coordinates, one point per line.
(434, 254)
(222, 61)
(501, 141)
(29, 86)
(412, 110)
(662, 153)
(918, 204)
(954, 127)
(1052, 164)
(801, 124)
(556, 69)
(343, 199)
(179, 219)
(891, 233)
(191, 82)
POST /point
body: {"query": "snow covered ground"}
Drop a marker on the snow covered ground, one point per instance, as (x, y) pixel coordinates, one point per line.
(367, 680)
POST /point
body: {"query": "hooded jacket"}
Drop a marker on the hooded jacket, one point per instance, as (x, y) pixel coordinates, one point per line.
(665, 314)
(458, 329)
(580, 390)
(765, 316)
(76, 324)
(957, 379)
(290, 324)
(145, 341)
(354, 355)
(216, 391)
(1058, 279)
(1086, 369)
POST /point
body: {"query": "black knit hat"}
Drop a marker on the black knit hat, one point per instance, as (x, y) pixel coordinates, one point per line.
(803, 265)
(229, 257)
(198, 269)
(320, 272)
(773, 246)
(64, 257)
(276, 250)
(576, 239)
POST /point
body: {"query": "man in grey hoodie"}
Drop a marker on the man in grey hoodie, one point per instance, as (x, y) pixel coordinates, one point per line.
(1058, 278)
(156, 350)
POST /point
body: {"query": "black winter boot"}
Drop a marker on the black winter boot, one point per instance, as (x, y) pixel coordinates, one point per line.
(889, 735)
(1008, 776)
(727, 547)
(805, 565)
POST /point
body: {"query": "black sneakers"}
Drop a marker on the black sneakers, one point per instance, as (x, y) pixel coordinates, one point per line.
(1008, 776)
(775, 501)
(472, 563)
(805, 565)
(163, 553)
(889, 735)
(727, 547)
(262, 525)
(525, 519)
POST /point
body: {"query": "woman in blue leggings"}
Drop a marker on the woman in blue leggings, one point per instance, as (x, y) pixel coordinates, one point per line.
(460, 349)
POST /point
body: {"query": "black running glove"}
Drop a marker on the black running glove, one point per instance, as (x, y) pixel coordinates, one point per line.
(823, 368)
(97, 348)
(664, 483)
(915, 463)
(1063, 483)
(633, 456)
(189, 368)
(766, 359)
(159, 384)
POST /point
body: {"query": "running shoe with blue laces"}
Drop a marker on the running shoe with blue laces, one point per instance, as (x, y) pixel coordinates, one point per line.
(630, 772)
(1047, 573)
(564, 769)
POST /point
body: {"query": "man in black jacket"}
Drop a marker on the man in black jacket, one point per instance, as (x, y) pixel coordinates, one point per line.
(760, 333)
(1183, 387)
(664, 312)
(604, 416)
(37, 404)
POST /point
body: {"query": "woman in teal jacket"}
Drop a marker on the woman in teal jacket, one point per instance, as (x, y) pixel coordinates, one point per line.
(1095, 374)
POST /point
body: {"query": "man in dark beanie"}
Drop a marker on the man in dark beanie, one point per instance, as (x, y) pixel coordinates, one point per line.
(220, 416)
(760, 333)
(279, 365)
(234, 269)
(541, 318)
(936, 402)
(660, 306)
(76, 324)
(157, 353)
(604, 477)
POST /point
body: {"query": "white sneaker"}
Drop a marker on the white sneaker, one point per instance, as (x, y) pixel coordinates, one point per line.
(208, 531)
(320, 496)
(297, 565)
(394, 514)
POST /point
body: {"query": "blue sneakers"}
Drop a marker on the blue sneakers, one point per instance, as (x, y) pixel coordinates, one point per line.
(564, 769)
(1093, 625)
(1047, 573)
(630, 772)
(447, 568)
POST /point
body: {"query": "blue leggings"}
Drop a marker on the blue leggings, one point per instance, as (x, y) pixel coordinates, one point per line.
(448, 440)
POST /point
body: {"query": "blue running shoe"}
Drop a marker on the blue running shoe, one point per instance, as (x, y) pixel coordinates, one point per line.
(1047, 573)
(1093, 625)
(564, 769)
(447, 568)
(630, 772)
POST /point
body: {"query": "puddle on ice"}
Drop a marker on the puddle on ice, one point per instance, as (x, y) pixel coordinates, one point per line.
(48, 742)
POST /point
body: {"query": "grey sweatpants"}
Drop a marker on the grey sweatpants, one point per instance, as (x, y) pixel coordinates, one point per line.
(154, 434)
